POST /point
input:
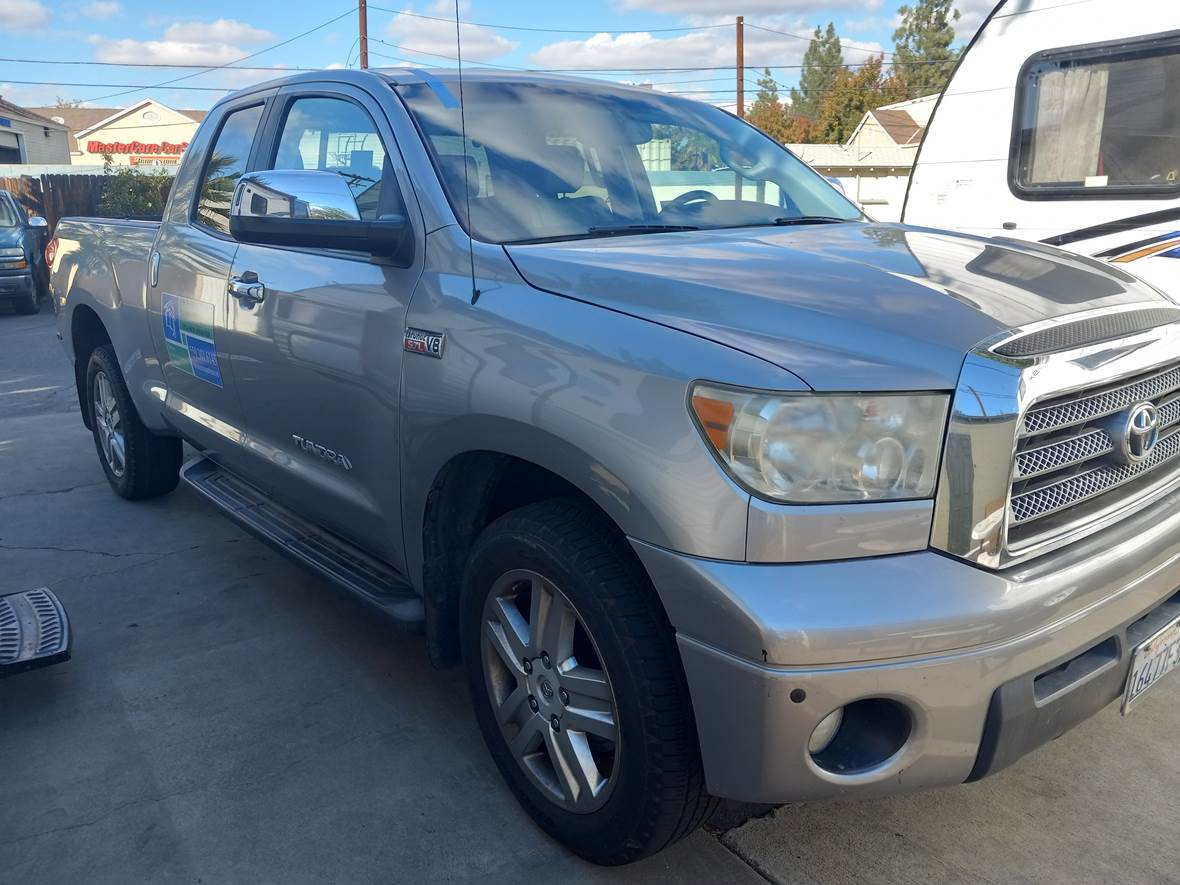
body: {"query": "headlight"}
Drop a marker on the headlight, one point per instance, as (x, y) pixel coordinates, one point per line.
(12, 252)
(815, 448)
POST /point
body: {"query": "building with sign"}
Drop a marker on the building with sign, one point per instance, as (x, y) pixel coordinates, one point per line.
(27, 137)
(145, 134)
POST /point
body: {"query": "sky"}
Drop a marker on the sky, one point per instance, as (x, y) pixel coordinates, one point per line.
(111, 53)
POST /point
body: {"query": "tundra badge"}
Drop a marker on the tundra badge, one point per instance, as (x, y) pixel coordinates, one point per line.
(323, 451)
(421, 341)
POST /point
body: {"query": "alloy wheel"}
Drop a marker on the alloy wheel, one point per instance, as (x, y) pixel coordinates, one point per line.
(549, 691)
(109, 425)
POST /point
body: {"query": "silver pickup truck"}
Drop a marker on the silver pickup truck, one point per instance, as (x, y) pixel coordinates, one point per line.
(715, 487)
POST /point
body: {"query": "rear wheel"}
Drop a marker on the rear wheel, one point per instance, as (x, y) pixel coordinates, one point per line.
(138, 463)
(577, 684)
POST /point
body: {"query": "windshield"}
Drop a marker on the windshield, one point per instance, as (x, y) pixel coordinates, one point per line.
(8, 217)
(549, 161)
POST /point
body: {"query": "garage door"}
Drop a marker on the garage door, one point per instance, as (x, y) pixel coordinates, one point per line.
(9, 147)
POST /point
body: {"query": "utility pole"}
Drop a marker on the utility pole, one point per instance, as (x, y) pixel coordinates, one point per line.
(741, 65)
(363, 19)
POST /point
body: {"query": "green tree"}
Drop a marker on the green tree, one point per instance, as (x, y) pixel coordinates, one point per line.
(922, 54)
(767, 111)
(129, 193)
(822, 63)
(851, 95)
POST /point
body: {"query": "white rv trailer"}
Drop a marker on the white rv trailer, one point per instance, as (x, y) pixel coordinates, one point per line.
(1061, 124)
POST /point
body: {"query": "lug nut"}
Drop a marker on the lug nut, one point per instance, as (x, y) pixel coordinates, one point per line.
(532, 703)
(528, 666)
(565, 696)
(555, 723)
(545, 658)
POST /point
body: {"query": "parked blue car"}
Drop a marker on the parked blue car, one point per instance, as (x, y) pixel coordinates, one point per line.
(22, 265)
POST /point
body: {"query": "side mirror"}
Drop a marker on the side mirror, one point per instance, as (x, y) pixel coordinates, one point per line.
(316, 209)
(37, 221)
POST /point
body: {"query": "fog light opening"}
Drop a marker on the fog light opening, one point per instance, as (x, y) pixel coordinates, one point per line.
(825, 732)
(867, 733)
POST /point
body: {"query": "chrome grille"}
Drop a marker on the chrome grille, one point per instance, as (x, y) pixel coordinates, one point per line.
(1065, 457)
(1097, 405)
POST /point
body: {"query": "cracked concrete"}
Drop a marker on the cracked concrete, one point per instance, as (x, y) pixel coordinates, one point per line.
(227, 717)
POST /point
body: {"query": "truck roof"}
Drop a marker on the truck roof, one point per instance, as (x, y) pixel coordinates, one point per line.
(448, 77)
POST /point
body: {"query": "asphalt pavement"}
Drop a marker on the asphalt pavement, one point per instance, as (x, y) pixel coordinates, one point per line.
(228, 717)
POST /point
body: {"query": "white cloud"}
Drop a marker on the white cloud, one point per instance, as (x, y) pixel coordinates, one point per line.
(973, 14)
(16, 14)
(224, 30)
(101, 9)
(695, 49)
(184, 43)
(165, 52)
(438, 37)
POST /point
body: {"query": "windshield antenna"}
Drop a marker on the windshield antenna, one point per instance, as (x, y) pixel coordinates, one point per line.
(466, 165)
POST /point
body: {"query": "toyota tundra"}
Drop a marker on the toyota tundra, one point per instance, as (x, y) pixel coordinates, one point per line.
(715, 487)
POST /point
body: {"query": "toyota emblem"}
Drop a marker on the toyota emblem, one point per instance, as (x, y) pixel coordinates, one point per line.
(1140, 431)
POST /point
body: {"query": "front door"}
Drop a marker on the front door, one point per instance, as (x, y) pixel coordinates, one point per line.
(187, 301)
(318, 360)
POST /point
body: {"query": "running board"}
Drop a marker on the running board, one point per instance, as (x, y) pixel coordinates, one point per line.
(34, 631)
(341, 562)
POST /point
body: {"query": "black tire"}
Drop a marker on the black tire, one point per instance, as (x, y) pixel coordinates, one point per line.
(29, 304)
(151, 463)
(658, 795)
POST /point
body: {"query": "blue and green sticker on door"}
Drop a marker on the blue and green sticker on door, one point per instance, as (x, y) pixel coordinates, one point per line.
(188, 335)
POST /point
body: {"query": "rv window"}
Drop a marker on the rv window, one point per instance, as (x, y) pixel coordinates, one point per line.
(1099, 121)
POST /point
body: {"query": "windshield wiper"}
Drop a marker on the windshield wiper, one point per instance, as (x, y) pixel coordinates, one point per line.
(615, 230)
(809, 219)
(619, 230)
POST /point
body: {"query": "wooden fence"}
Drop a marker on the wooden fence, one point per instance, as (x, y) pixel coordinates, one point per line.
(55, 196)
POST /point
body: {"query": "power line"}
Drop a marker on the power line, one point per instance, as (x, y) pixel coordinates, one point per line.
(148, 64)
(498, 27)
(168, 83)
(127, 86)
(812, 39)
(687, 69)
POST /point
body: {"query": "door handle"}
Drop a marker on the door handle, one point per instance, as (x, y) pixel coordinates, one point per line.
(247, 289)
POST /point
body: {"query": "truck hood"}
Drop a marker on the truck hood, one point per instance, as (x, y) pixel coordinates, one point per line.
(842, 306)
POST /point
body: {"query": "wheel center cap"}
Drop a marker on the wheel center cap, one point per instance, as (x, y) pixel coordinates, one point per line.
(546, 688)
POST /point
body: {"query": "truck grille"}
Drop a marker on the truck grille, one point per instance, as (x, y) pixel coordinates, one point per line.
(1067, 472)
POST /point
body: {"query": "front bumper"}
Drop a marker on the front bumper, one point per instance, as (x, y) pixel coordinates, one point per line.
(16, 284)
(986, 665)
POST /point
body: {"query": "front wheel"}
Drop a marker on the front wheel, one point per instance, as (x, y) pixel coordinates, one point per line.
(31, 303)
(138, 463)
(577, 684)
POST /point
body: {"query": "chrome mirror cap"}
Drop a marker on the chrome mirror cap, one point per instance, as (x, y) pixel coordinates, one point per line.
(294, 193)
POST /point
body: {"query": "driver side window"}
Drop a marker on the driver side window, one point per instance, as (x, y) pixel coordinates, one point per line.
(335, 135)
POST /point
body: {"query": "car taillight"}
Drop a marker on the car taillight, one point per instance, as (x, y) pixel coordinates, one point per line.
(50, 252)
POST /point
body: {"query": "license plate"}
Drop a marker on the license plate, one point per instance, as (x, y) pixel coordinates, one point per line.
(1151, 662)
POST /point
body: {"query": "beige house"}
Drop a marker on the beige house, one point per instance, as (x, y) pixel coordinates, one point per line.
(901, 124)
(873, 166)
(145, 134)
(28, 138)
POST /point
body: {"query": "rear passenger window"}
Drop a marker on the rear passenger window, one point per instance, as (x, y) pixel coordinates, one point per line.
(226, 163)
(335, 135)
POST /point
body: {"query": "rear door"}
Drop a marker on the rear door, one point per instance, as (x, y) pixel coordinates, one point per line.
(318, 361)
(188, 271)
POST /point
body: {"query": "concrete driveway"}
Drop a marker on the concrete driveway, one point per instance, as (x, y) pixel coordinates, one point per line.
(227, 717)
